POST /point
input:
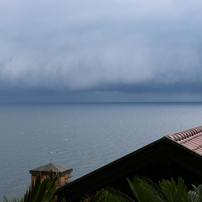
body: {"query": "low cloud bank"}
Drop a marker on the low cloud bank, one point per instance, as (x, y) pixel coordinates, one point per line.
(125, 46)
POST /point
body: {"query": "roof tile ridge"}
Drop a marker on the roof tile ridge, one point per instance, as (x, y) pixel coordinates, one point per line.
(179, 136)
(191, 137)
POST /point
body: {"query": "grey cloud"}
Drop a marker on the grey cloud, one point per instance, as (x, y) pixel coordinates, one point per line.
(127, 46)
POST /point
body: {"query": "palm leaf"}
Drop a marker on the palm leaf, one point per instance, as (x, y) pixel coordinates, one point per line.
(145, 190)
(14, 199)
(116, 195)
(196, 194)
(41, 190)
(174, 192)
(107, 195)
(51, 184)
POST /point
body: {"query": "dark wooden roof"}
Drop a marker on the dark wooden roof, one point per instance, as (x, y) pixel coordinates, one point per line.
(164, 158)
(51, 166)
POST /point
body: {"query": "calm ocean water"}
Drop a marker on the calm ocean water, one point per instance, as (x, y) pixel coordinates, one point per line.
(82, 136)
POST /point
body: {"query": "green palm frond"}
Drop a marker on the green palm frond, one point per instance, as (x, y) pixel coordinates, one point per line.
(41, 189)
(116, 195)
(108, 194)
(14, 199)
(145, 190)
(174, 192)
(196, 194)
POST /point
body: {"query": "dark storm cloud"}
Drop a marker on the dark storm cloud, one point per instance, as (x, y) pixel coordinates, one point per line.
(127, 46)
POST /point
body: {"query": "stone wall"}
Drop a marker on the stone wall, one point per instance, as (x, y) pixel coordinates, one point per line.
(62, 180)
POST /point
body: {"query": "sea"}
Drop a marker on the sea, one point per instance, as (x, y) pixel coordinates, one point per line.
(82, 136)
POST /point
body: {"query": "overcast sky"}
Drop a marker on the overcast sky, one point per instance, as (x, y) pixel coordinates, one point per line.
(92, 50)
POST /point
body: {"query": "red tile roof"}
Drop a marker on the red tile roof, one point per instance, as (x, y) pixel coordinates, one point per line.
(191, 138)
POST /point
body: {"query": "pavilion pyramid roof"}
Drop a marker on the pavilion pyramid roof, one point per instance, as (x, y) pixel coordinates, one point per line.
(51, 166)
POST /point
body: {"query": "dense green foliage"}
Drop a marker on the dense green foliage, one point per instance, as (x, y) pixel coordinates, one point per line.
(173, 191)
(144, 190)
(169, 191)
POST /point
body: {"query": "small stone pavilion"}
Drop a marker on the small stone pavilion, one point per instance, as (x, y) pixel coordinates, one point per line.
(65, 173)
